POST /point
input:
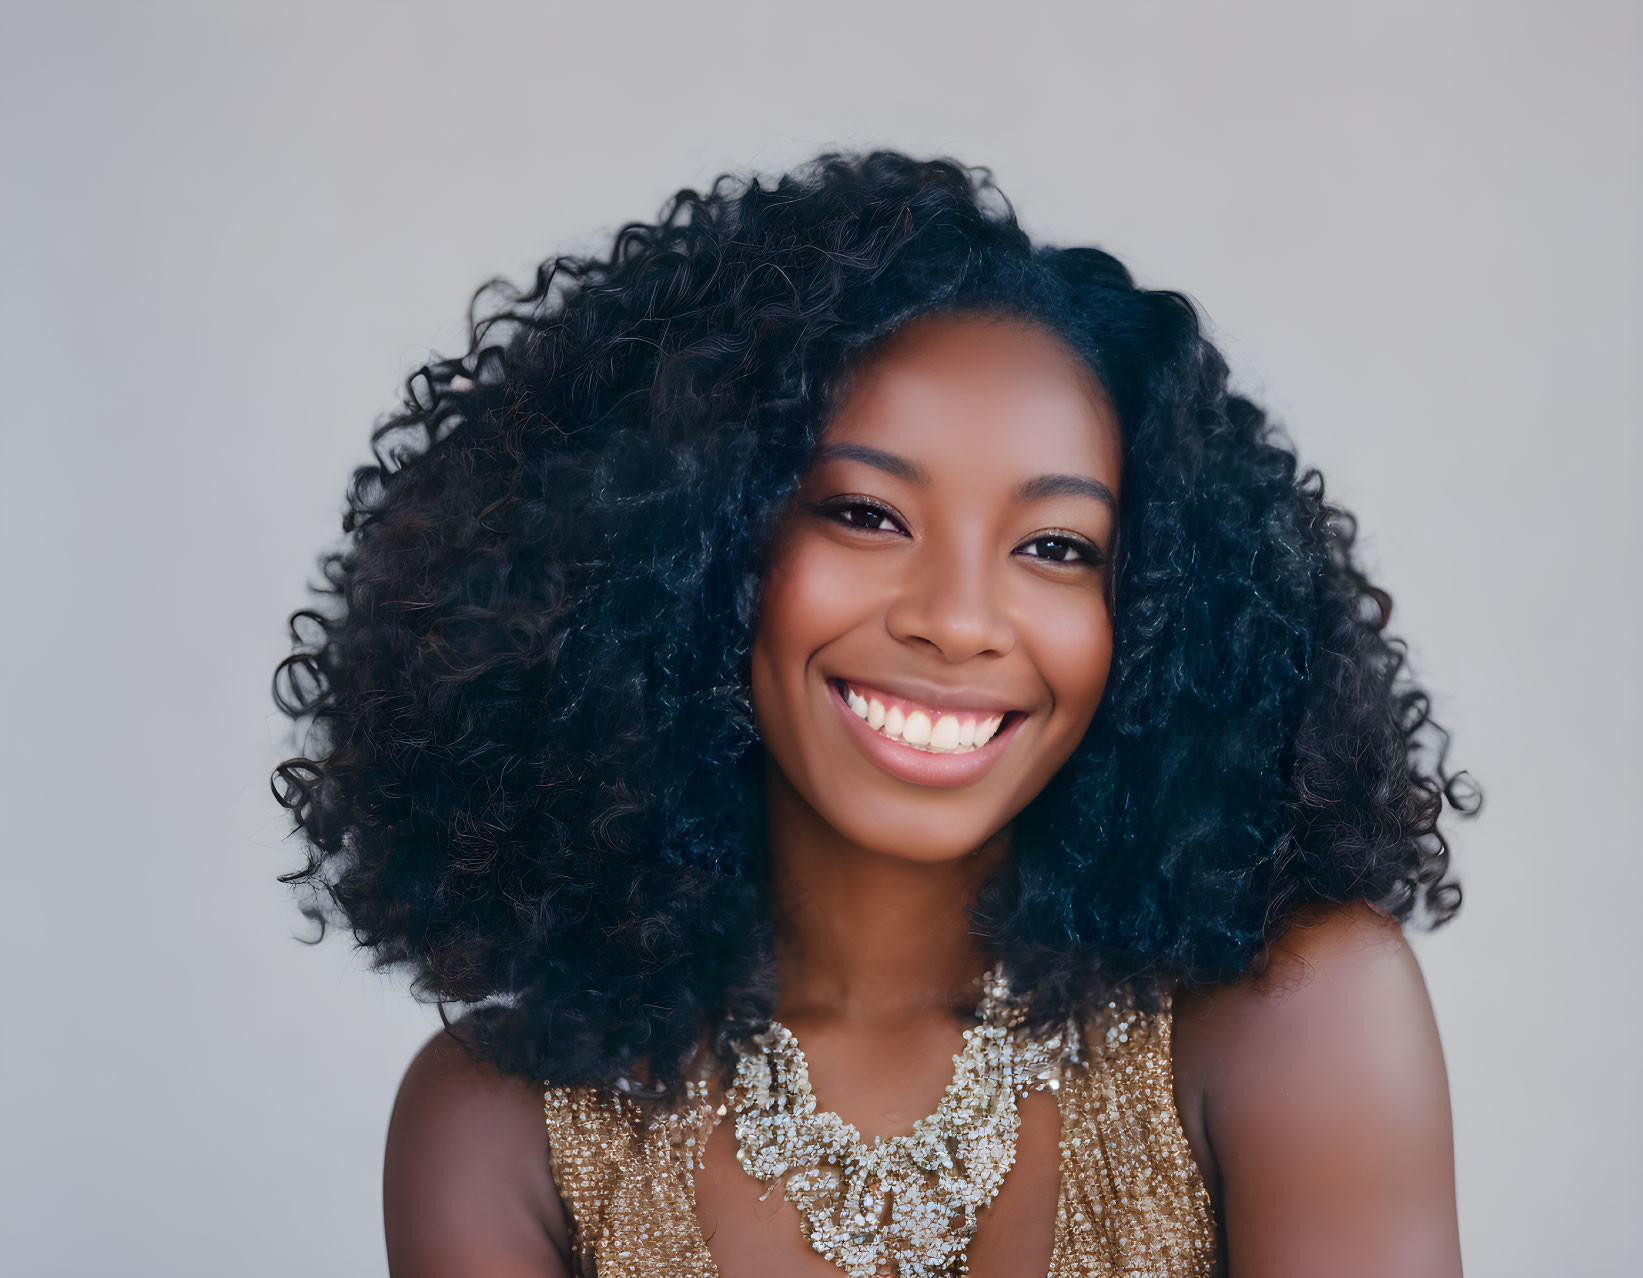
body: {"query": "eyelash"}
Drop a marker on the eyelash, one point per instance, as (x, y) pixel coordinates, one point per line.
(1088, 552)
(836, 508)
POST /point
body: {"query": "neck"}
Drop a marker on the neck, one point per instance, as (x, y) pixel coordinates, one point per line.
(864, 935)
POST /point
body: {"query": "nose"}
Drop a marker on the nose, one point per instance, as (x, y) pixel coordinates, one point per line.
(952, 599)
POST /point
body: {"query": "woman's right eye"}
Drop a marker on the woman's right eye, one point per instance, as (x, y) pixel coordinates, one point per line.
(855, 513)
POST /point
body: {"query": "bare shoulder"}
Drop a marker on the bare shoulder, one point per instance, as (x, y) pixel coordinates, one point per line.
(467, 1186)
(1318, 1092)
(1332, 952)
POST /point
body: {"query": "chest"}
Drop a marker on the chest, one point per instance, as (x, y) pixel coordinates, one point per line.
(749, 1237)
(1108, 1186)
(1104, 1182)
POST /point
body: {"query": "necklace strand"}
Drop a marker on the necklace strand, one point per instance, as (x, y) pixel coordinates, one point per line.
(902, 1205)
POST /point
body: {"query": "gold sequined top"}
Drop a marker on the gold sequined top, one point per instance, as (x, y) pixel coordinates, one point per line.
(1131, 1201)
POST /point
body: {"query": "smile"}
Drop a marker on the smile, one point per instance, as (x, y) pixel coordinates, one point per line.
(932, 745)
(923, 727)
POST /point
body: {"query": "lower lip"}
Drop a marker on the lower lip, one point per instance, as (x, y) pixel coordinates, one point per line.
(924, 767)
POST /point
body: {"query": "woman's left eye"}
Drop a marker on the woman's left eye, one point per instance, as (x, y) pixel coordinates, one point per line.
(1061, 549)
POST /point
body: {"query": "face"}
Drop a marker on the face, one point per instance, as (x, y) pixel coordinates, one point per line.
(935, 634)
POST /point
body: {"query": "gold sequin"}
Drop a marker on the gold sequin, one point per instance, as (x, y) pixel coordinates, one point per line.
(1132, 1201)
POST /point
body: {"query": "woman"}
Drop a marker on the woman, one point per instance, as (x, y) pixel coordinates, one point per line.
(864, 718)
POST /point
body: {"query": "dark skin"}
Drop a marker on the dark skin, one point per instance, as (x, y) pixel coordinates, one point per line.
(929, 560)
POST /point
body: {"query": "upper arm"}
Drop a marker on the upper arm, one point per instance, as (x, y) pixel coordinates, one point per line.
(1325, 1106)
(467, 1187)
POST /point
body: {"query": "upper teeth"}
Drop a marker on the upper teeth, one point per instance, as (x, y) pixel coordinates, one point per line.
(948, 734)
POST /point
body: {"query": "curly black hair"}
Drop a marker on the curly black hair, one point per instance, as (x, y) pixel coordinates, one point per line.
(531, 769)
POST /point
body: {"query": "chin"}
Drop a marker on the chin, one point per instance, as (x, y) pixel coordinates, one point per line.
(915, 838)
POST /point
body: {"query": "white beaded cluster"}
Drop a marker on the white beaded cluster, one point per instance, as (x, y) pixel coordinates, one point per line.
(905, 1205)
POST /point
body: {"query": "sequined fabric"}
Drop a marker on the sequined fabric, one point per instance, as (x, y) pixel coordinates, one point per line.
(1131, 1201)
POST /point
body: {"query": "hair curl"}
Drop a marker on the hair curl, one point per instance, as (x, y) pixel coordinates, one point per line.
(530, 770)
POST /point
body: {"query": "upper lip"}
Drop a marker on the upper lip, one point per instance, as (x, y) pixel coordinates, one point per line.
(935, 695)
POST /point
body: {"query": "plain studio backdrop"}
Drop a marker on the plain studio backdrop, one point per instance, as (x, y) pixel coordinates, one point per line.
(231, 229)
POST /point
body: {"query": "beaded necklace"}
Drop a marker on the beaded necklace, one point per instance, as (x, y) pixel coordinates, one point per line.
(905, 1205)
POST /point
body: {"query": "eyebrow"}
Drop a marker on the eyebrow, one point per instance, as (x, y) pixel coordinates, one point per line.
(908, 471)
(1040, 486)
(1035, 489)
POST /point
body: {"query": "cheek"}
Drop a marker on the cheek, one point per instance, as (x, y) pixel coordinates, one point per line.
(809, 599)
(1072, 647)
(805, 602)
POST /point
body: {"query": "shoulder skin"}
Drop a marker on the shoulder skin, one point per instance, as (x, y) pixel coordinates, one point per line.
(467, 1186)
(1315, 1097)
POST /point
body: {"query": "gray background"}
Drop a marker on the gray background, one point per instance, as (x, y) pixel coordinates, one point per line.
(229, 230)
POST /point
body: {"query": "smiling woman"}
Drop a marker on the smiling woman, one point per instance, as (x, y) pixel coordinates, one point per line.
(896, 761)
(929, 565)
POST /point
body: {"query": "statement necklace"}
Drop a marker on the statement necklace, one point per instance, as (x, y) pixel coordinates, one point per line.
(905, 1205)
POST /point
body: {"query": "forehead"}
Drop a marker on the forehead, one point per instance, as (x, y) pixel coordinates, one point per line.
(984, 395)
